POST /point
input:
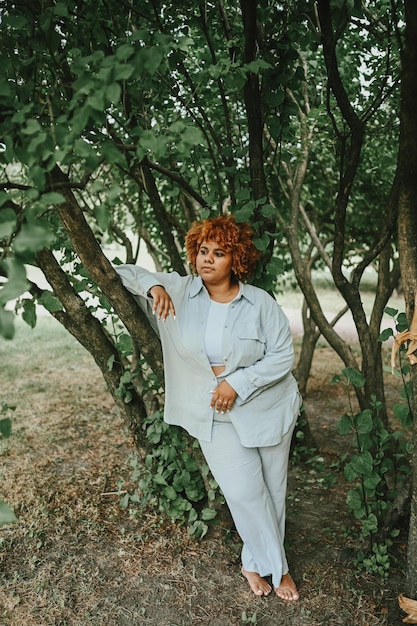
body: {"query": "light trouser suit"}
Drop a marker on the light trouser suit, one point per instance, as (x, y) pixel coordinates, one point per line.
(254, 483)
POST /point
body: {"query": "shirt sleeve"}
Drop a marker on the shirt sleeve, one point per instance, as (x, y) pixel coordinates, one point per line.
(276, 363)
(139, 280)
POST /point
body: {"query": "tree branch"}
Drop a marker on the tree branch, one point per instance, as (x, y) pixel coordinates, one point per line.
(103, 274)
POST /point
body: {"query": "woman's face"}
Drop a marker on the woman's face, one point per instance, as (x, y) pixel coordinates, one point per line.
(213, 263)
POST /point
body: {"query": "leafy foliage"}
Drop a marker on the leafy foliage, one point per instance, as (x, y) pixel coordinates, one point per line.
(170, 478)
(376, 471)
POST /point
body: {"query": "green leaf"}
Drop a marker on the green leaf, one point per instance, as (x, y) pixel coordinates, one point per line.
(402, 322)
(402, 412)
(50, 302)
(198, 529)
(125, 345)
(345, 426)
(371, 482)
(254, 67)
(29, 312)
(364, 422)
(363, 463)
(350, 473)
(193, 494)
(386, 334)
(124, 502)
(123, 72)
(96, 101)
(33, 237)
(112, 154)
(150, 142)
(113, 92)
(6, 514)
(102, 215)
(370, 525)
(208, 514)
(275, 266)
(170, 493)
(52, 198)
(245, 212)
(60, 9)
(159, 480)
(32, 127)
(354, 376)
(268, 210)
(5, 427)
(7, 222)
(192, 136)
(5, 90)
(124, 51)
(17, 283)
(354, 500)
(262, 243)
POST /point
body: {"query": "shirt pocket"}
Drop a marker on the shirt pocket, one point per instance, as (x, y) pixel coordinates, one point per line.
(251, 344)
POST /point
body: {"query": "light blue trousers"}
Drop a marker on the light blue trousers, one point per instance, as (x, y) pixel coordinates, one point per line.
(254, 483)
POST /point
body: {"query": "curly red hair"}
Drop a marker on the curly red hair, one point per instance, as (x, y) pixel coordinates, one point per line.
(232, 236)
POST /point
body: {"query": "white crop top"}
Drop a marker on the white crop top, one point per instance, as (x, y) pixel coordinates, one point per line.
(214, 332)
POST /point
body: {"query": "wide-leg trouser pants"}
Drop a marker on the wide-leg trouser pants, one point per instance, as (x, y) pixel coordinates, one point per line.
(254, 484)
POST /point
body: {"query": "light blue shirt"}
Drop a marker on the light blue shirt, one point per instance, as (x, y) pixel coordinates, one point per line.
(258, 356)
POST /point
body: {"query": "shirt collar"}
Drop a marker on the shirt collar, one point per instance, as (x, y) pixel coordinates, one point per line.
(246, 291)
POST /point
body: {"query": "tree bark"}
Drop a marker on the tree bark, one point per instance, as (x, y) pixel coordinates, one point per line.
(87, 329)
(407, 242)
(352, 143)
(252, 99)
(143, 175)
(103, 274)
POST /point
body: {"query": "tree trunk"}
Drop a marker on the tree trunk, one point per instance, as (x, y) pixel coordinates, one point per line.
(103, 274)
(252, 99)
(87, 329)
(407, 243)
(352, 141)
(311, 335)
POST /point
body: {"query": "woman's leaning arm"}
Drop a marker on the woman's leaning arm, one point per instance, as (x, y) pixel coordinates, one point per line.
(142, 282)
(138, 280)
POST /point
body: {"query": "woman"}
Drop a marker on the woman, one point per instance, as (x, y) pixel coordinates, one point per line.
(228, 356)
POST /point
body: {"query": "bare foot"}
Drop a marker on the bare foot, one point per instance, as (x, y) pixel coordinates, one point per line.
(258, 584)
(287, 589)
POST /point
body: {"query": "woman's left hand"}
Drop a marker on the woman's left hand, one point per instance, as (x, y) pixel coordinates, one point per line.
(223, 397)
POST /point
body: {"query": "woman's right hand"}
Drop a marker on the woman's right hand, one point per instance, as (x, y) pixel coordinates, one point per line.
(162, 303)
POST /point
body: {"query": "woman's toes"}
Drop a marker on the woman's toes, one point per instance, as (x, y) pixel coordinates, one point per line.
(287, 590)
(258, 584)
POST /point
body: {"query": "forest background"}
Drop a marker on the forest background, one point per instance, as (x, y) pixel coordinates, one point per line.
(124, 122)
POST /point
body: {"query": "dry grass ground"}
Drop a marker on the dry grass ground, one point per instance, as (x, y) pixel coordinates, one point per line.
(75, 558)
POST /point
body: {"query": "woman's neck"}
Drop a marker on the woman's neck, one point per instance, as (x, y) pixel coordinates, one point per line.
(223, 293)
